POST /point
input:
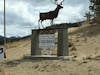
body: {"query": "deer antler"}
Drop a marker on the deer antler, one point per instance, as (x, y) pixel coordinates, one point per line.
(61, 2)
(55, 1)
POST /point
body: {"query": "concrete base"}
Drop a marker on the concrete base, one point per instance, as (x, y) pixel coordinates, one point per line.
(49, 57)
(38, 57)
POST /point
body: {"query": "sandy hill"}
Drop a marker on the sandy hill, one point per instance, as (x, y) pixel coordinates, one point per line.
(85, 41)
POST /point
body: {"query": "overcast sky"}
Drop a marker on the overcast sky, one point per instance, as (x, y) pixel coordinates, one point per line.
(23, 15)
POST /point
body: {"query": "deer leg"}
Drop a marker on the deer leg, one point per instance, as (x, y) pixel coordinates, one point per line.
(39, 24)
(51, 22)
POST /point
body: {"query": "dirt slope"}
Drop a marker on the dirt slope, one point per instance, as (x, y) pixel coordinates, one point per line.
(85, 40)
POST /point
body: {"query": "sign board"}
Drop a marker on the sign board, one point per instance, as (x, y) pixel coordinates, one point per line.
(1, 53)
(46, 52)
(46, 41)
(51, 40)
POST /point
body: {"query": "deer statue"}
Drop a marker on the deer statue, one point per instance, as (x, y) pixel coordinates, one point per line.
(51, 15)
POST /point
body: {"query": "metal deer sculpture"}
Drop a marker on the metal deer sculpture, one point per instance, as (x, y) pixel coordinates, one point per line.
(51, 15)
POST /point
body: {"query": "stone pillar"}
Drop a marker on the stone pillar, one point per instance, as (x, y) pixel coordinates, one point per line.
(62, 42)
(34, 42)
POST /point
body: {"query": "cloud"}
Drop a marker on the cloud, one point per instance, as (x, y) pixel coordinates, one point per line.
(13, 19)
(1, 17)
(76, 2)
(1, 5)
(13, 30)
(23, 15)
(1, 29)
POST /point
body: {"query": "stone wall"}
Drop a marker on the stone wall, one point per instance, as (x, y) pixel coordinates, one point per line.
(95, 4)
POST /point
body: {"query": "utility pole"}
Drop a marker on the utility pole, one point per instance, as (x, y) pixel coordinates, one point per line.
(4, 28)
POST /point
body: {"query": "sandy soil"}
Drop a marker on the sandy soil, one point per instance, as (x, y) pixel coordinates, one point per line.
(85, 46)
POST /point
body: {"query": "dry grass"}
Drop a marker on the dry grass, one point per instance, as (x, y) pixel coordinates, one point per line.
(2, 71)
(16, 43)
(87, 61)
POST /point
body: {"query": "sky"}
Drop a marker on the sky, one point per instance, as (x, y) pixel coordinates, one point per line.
(22, 15)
